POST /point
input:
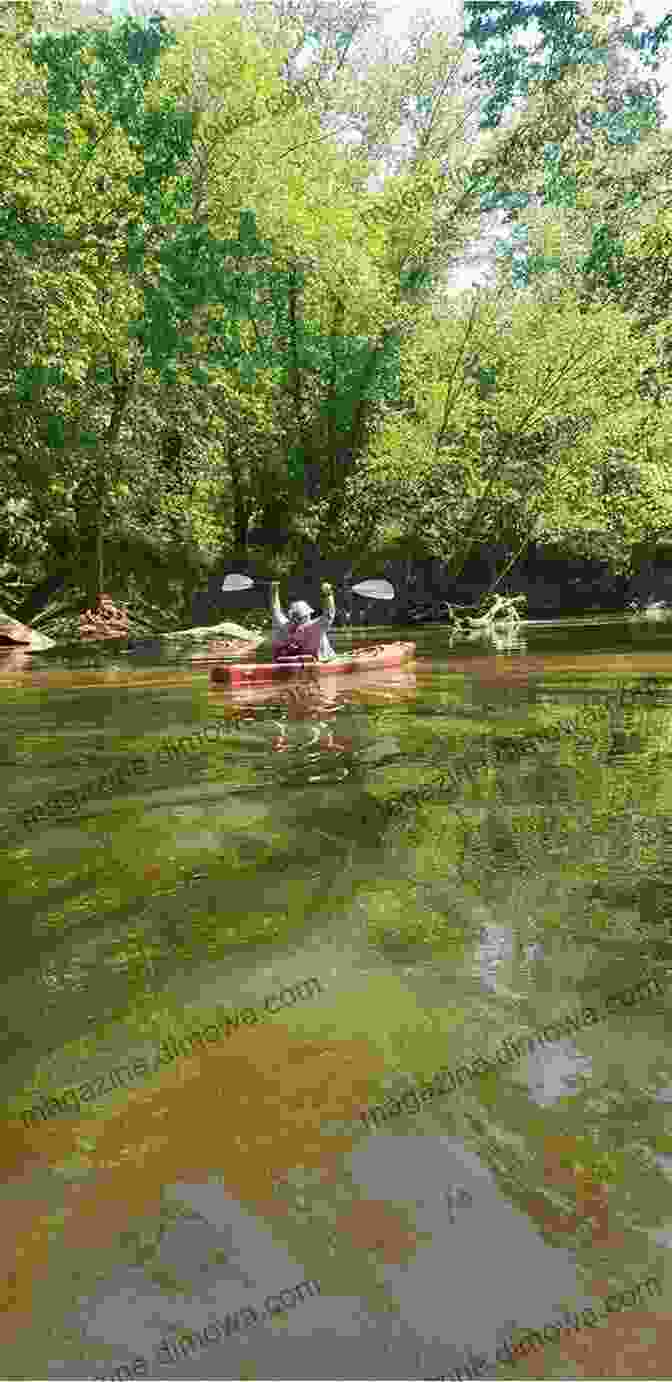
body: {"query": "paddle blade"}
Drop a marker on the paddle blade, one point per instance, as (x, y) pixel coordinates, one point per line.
(375, 590)
(237, 583)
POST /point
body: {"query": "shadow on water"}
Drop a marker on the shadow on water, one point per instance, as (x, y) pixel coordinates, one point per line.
(460, 852)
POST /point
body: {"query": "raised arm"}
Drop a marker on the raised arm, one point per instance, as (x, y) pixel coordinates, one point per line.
(327, 618)
(279, 620)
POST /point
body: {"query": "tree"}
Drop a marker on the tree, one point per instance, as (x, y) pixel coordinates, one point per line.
(424, 211)
(102, 96)
(198, 260)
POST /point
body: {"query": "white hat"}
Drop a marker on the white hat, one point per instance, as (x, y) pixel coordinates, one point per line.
(299, 610)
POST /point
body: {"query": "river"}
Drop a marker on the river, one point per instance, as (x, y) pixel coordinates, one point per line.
(339, 891)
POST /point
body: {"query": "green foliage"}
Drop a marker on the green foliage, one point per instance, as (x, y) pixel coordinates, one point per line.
(189, 250)
(509, 69)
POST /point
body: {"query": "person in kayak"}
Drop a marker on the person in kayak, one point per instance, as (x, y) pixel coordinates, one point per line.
(296, 634)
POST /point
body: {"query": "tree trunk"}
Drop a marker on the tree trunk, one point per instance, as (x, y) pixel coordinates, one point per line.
(311, 565)
(241, 510)
(96, 571)
(100, 574)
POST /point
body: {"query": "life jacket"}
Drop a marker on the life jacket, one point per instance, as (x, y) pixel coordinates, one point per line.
(293, 649)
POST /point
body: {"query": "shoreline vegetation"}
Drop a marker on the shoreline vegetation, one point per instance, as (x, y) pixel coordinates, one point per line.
(369, 414)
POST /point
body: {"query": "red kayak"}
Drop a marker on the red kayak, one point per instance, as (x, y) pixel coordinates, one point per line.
(367, 659)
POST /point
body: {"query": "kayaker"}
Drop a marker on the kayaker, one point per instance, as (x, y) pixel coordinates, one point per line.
(296, 634)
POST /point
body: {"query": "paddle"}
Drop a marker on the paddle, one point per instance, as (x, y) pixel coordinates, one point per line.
(370, 590)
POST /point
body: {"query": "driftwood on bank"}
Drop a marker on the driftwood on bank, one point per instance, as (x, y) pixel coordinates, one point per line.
(655, 610)
(500, 609)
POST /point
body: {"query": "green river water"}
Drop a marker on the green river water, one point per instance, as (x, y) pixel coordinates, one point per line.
(312, 837)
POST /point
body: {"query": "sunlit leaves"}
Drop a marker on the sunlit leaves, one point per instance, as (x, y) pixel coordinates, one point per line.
(568, 42)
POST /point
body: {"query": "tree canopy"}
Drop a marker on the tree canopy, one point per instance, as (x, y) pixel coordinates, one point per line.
(225, 243)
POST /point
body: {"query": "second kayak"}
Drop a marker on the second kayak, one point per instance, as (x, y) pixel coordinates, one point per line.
(365, 659)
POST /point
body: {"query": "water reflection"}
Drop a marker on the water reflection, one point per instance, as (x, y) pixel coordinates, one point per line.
(503, 639)
(538, 883)
(13, 660)
(554, 1073)
(494, 949)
